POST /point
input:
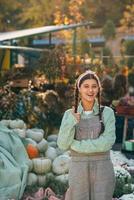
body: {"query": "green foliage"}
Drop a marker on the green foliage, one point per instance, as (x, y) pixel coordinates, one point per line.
(109, 30)
(57, 186)
(50, 64)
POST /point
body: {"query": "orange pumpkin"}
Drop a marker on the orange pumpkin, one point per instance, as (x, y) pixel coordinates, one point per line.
(32, 151)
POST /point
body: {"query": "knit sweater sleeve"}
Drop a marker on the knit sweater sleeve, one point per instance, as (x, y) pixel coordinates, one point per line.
(67, 130)
(104, 142)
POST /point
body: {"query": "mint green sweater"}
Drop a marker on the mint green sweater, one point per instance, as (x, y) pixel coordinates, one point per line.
(103, 143)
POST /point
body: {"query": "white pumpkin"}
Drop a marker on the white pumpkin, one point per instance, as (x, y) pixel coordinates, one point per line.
(59, 151)
(5, 122)
(34, 134)
(18, 123)
(20, 132)
(41, 165)
(62, 178)
(29, 140)
(52, 144)
(61, 164)
(42, 145)
(51, 153)
(31, 179)
(41, 180)
(30, 165)
(52, 138)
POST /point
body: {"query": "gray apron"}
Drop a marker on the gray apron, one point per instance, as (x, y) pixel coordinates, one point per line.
(91, 176)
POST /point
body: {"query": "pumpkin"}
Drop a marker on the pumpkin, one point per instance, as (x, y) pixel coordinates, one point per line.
(41, 165)
(5, 122)
(61, 164)
(32, 151)
(62, 178)
(35, 134)
(51, 153)
(52, 138)
(31, 179)
(20, 132)
(17, 124)
(59, 151)
(42, 145)
(41, 180)
(53, 144)
(30, 164)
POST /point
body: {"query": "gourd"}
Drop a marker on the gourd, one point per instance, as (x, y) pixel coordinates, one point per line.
(5, 122)
(42, 145)
(20, 132)
(52, 144)
(30, 165)
(30, 141)
(41, 180)
(34, 134)
(32, 151)
(59, 151)
(62, 178)
(51, 153)
(41, 165)
(17, 124)
(52, 138)
(32, 179)
(61, 164)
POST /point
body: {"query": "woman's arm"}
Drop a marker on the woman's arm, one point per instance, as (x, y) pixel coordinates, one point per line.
(67, 130)
(104, 142)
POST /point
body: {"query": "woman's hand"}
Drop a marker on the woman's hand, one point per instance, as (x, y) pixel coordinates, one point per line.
(76, 115)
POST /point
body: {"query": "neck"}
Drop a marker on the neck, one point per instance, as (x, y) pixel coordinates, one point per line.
(87, 106)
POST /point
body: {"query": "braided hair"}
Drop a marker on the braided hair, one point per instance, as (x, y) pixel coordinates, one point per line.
(88, 75)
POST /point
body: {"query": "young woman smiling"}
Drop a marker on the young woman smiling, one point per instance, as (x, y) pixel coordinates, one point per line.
(88, 131)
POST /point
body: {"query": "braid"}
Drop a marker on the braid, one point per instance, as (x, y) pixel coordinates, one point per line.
(76, 99)
(100, 114)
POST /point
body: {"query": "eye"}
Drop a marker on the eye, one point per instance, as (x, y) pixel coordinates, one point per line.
(94, 86)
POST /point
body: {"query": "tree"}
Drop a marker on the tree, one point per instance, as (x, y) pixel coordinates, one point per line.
(127, 22)
(8, 14)
(109, 30)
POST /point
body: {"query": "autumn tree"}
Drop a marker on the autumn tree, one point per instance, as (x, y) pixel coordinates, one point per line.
(8, 14)
(127, 22)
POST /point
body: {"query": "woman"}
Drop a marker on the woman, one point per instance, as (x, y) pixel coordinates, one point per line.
(88, 131)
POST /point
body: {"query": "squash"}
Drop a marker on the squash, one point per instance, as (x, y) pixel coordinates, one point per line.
(42, 145)
(52, 144)
(41, 165)
(51, 153)
(59, 151)
(30, 165)
(18, 123)
(62, 178)
(30, 141)
(52, 138)
(32, 151)
(61, 164)
(5, 122)
(35, 134)
(41, 180)
(20, 132)
(31, 179)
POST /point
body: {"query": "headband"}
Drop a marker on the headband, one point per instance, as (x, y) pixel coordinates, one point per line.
(84, 74)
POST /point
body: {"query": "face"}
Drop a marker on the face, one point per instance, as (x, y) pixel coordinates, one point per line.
(89, 90)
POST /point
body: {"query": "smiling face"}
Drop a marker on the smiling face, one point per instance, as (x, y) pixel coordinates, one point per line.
(88, 90)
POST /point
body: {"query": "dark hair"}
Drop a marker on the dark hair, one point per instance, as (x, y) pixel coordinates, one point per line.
(76, 96)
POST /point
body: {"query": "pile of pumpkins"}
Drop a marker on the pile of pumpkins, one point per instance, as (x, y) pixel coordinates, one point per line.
(45, 158)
